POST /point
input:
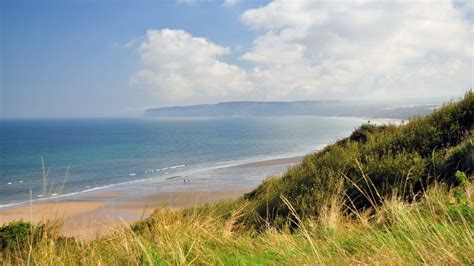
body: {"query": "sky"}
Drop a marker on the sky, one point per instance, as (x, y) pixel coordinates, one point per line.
(117, 58)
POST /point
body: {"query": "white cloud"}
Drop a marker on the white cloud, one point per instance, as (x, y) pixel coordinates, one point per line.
(321, 49)
(230, 3)
(180, 68)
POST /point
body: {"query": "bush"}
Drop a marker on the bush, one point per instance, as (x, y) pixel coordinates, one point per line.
(16, 234)
(459, 158)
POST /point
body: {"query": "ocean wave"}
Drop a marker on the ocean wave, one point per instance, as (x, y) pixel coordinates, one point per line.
(14, 182)
(164, 168)
(209, 166)
(177, 166)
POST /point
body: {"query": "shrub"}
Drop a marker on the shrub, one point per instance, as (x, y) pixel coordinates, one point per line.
(15, 234)
(362, 133)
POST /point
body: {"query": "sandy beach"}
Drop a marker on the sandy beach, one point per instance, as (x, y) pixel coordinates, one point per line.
(101, 213)
(94, 218)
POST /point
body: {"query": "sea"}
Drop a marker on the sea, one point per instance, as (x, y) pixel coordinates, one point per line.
(45, 158)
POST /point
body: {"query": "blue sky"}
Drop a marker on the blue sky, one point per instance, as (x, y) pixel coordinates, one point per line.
(68, 58)
(116, 58)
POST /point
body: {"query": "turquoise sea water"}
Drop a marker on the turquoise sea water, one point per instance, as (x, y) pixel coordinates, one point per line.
(104, 152)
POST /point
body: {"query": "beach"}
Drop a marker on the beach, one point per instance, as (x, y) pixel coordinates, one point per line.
(100, 213)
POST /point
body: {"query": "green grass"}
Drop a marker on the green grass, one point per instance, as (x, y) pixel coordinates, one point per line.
(373, 163)
(384, 195)
(437, 229)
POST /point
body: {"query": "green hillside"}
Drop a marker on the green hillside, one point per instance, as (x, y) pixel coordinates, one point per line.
(384, 195)
(373, 163)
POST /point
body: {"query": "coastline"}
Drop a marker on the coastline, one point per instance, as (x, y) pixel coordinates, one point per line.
(188, 172)
(23, 181)
(102, 212)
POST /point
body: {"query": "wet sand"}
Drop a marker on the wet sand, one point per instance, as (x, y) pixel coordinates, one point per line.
(100, 214)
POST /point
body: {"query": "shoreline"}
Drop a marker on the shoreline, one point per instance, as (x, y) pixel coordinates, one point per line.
(89, 219)
(258, 161)
(139, 178)
(102, 212)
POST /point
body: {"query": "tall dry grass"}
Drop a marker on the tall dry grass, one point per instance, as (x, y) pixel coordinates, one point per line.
(437, 229)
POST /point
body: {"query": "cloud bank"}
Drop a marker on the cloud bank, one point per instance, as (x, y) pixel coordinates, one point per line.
(180, 68)
(319, 50)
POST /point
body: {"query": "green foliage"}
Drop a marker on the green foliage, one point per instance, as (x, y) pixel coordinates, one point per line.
(373, 163)
(15, 234)
(363, 132)
(18, 235)
(436, 229)
(459, 158)
(461, 207)
(461, 179)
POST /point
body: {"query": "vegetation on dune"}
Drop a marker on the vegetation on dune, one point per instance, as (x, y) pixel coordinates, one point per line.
(437, 229)
(371, 164)
(386, 194)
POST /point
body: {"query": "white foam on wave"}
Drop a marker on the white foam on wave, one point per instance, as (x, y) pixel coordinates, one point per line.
(194, 169)
(55, 196)
(41, 197)
(164, 168)
(178, 166)
(14, 182)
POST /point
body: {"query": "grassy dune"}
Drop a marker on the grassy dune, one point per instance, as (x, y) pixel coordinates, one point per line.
(385, 195)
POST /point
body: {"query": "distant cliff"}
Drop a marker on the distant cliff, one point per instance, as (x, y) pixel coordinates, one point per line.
(297, 108)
